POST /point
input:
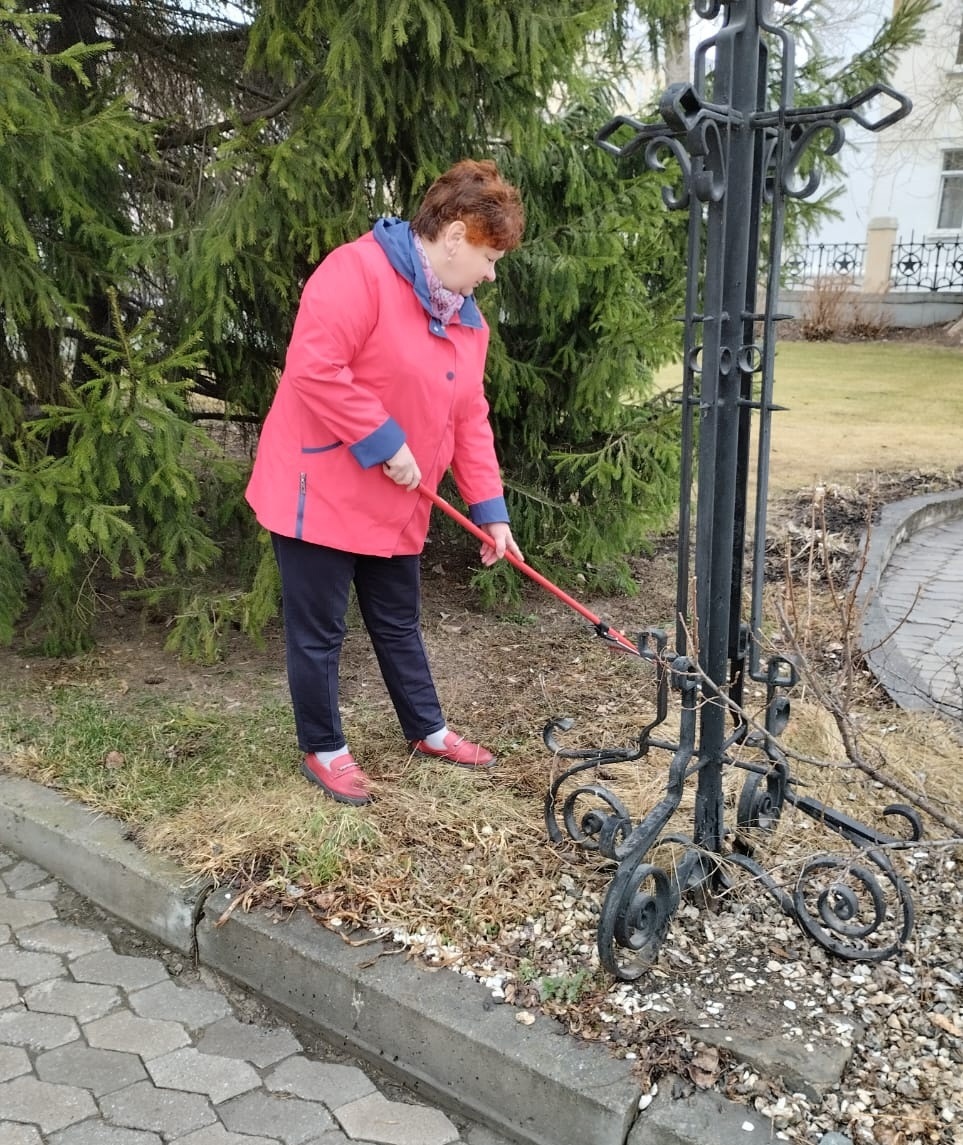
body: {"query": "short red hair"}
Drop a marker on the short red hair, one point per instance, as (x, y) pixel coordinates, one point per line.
(473, 192)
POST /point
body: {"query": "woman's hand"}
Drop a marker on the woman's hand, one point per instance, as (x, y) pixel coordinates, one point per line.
(402, 468)
(501, 534)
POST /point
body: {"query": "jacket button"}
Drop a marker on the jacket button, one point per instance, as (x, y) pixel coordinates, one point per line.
(450, 375)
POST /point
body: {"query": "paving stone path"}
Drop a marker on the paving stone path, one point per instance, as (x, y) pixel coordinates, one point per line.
(920, 590)
(99, 1047)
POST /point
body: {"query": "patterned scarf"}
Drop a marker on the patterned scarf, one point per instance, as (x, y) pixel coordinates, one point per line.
(445, 303)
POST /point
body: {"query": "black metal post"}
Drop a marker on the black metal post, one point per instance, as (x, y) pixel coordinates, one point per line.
(738, 141)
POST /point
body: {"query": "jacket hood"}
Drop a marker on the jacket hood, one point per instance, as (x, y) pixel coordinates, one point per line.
(395, 239)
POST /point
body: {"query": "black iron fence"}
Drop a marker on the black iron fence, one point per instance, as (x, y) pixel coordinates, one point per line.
(934, 265)
(815, 262)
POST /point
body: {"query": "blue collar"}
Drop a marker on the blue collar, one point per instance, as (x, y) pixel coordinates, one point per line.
(395, 239)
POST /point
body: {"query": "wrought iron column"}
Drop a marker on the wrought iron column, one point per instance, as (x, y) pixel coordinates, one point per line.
(740, 145)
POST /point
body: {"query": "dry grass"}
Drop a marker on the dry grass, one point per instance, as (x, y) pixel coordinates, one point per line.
(859, 408)
(202, 761)
(459, 868)
(441, 851)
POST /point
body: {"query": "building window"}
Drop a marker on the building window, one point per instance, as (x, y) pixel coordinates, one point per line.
(959, 48)
(951, 191)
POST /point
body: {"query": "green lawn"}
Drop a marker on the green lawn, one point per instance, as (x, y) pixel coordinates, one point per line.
(861, 407)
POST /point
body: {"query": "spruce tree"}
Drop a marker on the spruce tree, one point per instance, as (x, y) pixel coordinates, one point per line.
(170, 173)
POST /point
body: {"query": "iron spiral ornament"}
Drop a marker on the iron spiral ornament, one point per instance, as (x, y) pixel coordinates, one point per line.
(858, 909)
(738, 149)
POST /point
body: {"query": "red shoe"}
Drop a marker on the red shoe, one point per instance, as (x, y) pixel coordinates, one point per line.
(342, 779)
(457, 750)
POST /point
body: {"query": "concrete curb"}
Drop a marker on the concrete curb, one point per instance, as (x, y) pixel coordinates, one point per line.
(710, 1120)
(898, 522)
(438, 1032)
(90, 853)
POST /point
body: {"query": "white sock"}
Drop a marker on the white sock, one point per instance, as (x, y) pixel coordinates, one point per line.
(328, 757)
(437, 739)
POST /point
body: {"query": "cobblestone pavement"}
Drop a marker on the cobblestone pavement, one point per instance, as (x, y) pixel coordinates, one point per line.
(107, 1038)
(920, 589)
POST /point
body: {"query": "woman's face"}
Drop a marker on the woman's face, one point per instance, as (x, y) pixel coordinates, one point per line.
(469, 264)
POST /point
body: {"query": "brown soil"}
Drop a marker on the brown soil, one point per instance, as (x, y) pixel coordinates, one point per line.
(944, 334)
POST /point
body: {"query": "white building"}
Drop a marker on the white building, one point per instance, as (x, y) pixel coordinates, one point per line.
(910, 175)
(918, 175)
(912, 171)
(899, 235)
(900, 197)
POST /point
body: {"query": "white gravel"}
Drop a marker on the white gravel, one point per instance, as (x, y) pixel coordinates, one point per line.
(750, 969)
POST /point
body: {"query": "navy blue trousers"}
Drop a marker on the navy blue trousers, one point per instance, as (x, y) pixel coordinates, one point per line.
(315, 584)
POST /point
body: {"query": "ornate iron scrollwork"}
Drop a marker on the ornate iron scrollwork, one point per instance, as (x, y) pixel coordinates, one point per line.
(844, 905)
(738, 151)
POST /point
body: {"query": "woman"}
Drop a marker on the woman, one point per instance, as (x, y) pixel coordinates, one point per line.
(381, 391)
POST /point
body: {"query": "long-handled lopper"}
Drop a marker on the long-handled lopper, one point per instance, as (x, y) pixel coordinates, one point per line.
(611, 635)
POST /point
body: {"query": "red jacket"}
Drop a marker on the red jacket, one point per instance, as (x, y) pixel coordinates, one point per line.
(366, 370)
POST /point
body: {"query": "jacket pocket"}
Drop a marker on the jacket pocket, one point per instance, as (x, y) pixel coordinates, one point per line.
(321, 448)
(302, 497)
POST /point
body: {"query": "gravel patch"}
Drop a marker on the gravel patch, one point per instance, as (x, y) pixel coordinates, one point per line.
(740, 999)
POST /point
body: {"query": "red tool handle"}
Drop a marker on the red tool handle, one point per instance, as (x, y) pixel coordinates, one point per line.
(618, 639)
